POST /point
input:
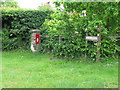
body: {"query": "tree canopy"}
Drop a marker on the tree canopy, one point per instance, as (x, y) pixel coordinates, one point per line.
(9, 4)
(80, 19)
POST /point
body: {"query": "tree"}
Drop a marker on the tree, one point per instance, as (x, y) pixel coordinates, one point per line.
(9, 4)
(72, 19)
(45, 8)
(104, 12)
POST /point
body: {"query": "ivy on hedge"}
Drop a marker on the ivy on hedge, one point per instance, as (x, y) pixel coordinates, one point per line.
(17, 23)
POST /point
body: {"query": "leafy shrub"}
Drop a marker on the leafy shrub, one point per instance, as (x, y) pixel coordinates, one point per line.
(65, 26)
(16, 25)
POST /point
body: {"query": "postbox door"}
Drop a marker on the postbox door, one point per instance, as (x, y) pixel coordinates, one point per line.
(37, 38)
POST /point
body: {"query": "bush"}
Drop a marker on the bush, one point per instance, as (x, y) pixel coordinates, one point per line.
(17, 23)
(64, 26)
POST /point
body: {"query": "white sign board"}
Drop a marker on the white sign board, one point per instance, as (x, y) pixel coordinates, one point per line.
(91, 38)
(114, 37)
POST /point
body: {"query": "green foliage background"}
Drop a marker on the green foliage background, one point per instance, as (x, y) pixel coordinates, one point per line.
(16, 24)
(9, 4)
(71, 29)
(98, 14)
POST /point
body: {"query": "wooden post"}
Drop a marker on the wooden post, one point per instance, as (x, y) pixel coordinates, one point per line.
(86, 47)
(98, 45)
(60, 40)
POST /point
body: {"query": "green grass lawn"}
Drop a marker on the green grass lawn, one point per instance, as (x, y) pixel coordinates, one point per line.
(24, 69)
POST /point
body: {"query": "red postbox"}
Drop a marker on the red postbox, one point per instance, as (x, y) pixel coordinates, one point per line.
(37, 38)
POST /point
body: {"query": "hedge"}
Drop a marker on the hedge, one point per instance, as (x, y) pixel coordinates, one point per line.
(64, 25)
(16, 25)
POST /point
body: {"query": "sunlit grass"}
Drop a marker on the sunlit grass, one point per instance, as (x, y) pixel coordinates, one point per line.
(0, 69)
(24, 69)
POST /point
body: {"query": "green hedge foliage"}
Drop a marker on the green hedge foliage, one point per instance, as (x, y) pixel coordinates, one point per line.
(17, 23)
(64, 26)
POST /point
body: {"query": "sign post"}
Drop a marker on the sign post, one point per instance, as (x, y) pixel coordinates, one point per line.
(98, 44)
(98, 48)
(92, 38)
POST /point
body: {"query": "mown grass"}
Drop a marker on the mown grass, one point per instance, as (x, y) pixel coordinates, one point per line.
(24, 69)
(0, 70)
